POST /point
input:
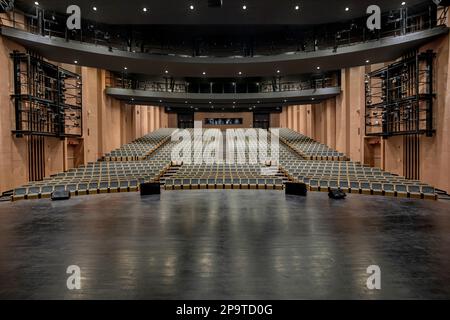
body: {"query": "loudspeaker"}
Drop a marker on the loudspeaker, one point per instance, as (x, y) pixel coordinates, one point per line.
(297, 189)
(337, 194)
(150, 188)
(60, 195)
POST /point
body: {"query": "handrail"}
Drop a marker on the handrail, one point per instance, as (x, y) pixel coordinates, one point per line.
(331, 36)
(224, 87)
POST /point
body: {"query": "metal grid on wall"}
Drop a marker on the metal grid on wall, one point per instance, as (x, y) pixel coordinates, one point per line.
(399, 97)
(47, 98)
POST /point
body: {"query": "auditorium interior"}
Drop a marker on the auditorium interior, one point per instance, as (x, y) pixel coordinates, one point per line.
(109, 108)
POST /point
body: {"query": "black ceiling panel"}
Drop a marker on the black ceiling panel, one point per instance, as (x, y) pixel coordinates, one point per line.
(258, 12)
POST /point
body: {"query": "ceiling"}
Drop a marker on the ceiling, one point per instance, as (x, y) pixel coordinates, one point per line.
(258, 12)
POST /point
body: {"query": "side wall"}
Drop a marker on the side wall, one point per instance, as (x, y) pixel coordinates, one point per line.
(107, 124)
(340, 124)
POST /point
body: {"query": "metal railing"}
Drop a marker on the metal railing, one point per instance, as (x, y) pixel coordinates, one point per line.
(219, 87)
(135, 39)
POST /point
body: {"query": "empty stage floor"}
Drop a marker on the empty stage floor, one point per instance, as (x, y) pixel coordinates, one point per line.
(225, 244)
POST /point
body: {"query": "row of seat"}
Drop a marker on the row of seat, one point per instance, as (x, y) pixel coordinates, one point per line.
(78, 189)
(224, 183)
(140, 148)
(375, 188)
(252, 174)
(351, 177)
(101, 177)
(308, 148)
(270, 172)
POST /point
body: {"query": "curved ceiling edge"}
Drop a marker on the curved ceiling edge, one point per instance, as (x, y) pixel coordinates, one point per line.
(91, 55)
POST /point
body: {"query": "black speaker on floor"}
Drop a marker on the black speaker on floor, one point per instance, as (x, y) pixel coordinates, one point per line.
(150, 188)
(60, 195)
(297, 189)
(337, 194)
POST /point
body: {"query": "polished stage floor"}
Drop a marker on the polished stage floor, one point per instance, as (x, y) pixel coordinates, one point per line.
(217, 244)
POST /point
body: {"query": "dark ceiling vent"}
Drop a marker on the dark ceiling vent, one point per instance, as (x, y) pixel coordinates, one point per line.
(215, 3)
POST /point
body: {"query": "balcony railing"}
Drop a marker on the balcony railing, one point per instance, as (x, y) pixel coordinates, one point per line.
(135, 39)
(223, 87)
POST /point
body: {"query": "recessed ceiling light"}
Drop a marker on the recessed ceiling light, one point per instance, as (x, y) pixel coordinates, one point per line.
(125, 68)
(367, 61)
(76, 61)
(145, 9)
(204, 73)
(191, 7)
(166, 72)
(347, 9)
(240, 73)
(94, 8)
(244, 7)
(318, 68)
(278, 71)
(297, 7)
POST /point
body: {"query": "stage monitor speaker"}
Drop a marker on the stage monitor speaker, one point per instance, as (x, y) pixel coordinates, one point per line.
(150, 188)
(60, 195)
(297, 189)
(337, 194)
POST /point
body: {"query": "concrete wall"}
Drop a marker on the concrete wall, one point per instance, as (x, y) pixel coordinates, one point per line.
(107, 124)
